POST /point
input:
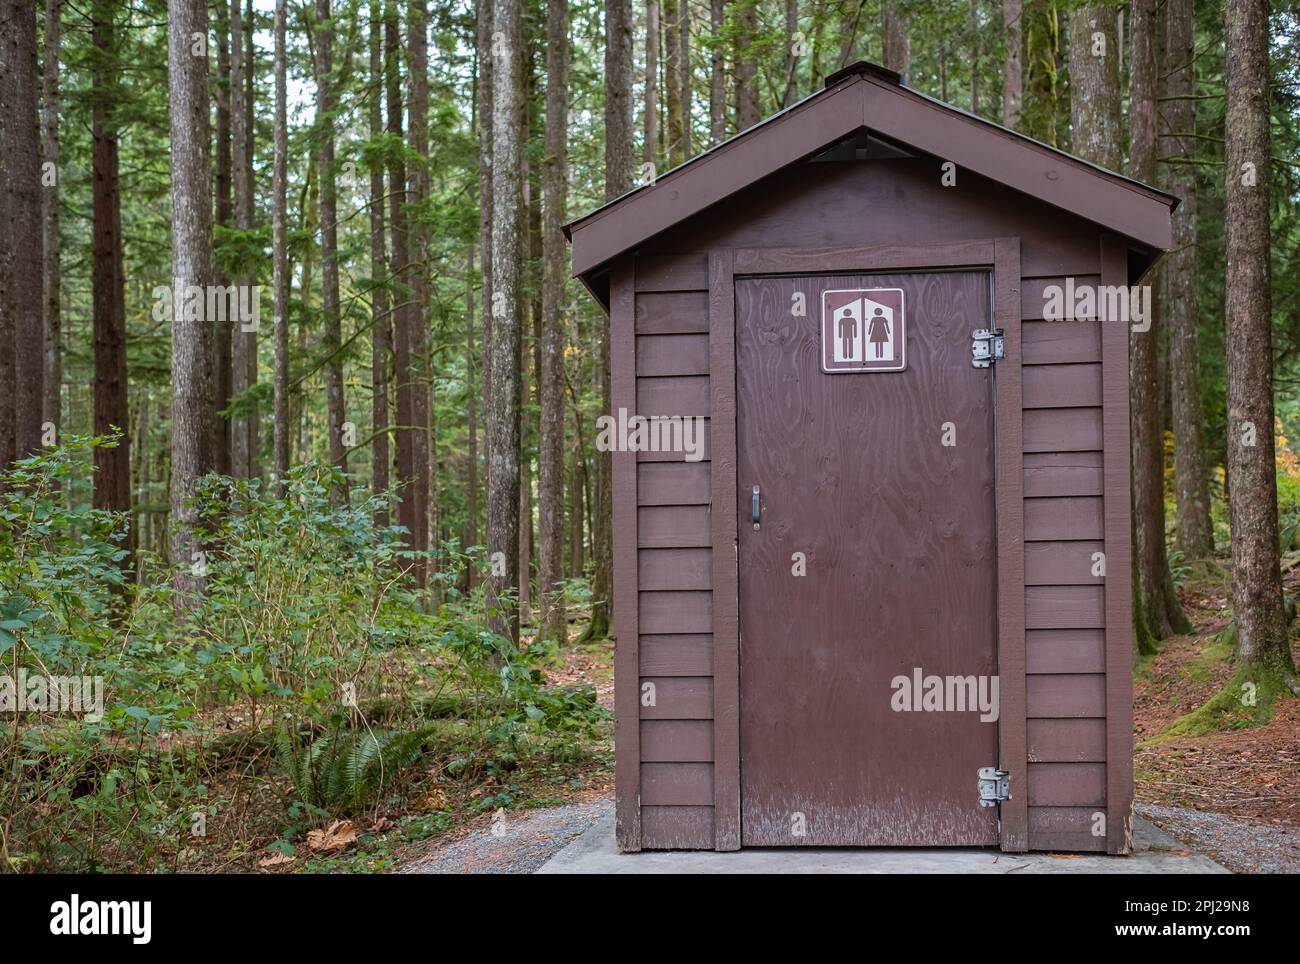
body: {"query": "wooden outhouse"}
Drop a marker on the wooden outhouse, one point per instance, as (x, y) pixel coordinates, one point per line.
(871, 506)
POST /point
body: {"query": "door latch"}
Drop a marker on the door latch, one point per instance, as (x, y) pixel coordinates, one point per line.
(753, 511)
(987, 346)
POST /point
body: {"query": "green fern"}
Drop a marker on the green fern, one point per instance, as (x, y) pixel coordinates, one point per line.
(342, 770)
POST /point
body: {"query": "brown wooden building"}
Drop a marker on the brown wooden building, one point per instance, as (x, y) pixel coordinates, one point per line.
(813, 610)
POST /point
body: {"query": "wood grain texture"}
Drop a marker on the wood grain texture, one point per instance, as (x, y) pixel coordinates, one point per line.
(1062, 563)
(676, 784)
(672, 396)
(1074, 517)
(1062, 430)
(1050, 474)
(1067, 785)
(1062, 342)
(676, 355)
(688, 271)
(672, 483)
(1065, 741)
(702, 438)
(677, 698)
(673, 526)
(627, 756)
(676, 612)
(1066, 651)
(672, 313)
(676, 741)
(1063, 697)
(677, 655)
(1119, 594)
(1062, 386)
(675, 568)
(1064, 607)
(1034, 296)
(677, 828)
(726, 620)
(1070, 829)
(850, 258)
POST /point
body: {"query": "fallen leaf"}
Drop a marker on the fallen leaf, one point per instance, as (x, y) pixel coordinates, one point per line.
(275, 860)
(337, 836)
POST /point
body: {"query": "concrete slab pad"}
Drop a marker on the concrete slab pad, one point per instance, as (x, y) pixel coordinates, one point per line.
(1154, 852)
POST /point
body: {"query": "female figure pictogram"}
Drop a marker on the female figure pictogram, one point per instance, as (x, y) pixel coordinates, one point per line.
(878, 331)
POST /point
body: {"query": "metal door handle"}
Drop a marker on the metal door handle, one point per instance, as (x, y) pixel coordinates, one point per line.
(754, 508)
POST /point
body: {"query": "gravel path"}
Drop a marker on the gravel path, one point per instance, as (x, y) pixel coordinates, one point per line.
(531, 838)
(525, 841)
(1243, 846)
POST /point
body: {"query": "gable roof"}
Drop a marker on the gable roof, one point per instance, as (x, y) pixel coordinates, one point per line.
(867, 96)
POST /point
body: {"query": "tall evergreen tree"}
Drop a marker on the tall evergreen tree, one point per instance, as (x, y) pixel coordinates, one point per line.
(1194, 533)
(191, 218)
(1257, 607)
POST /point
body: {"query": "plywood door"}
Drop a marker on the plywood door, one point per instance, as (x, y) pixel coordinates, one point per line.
(895, 531)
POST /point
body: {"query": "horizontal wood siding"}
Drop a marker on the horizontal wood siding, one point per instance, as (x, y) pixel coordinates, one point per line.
(675, 560)
(1065, 644)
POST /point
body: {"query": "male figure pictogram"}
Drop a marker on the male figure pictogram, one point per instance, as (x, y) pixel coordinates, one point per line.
(848, 331)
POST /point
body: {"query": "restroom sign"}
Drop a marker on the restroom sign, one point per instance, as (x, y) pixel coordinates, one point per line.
(863, 330)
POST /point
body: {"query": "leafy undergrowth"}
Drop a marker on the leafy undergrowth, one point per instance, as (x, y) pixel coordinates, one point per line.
(1199, 745)
(308, 710)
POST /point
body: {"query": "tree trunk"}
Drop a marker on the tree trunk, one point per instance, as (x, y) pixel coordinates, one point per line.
(191, 223)
(471, 420)
(791, 58)
(411, 507)
(849, 23)
(507, 320)
(651, 113)
(576, 485)
(747, 67)
(243, 360)
(279, 252)
(717, 76)
(898, 46)
(1013, 52)
(676, 133)
(418, 377)
(1256, 578)
(108, 280)
(1163, 612)
(1195, 536)
(483, 118)
(975, 57)
(143, 497)
(222, 376)
(53, 374)
(22, 301)
(551, 393)
(618, 180)
(1094, 86)
(329, 242)
(381, 330)
(684, 53)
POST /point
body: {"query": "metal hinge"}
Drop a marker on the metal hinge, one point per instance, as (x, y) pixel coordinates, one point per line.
(987, 346)
(995, 786)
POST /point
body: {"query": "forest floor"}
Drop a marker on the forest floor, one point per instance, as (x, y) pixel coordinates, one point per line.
(1233, 792)
(554, 807)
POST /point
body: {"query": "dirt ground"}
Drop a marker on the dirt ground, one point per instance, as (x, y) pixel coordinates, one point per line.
(1251, 774)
